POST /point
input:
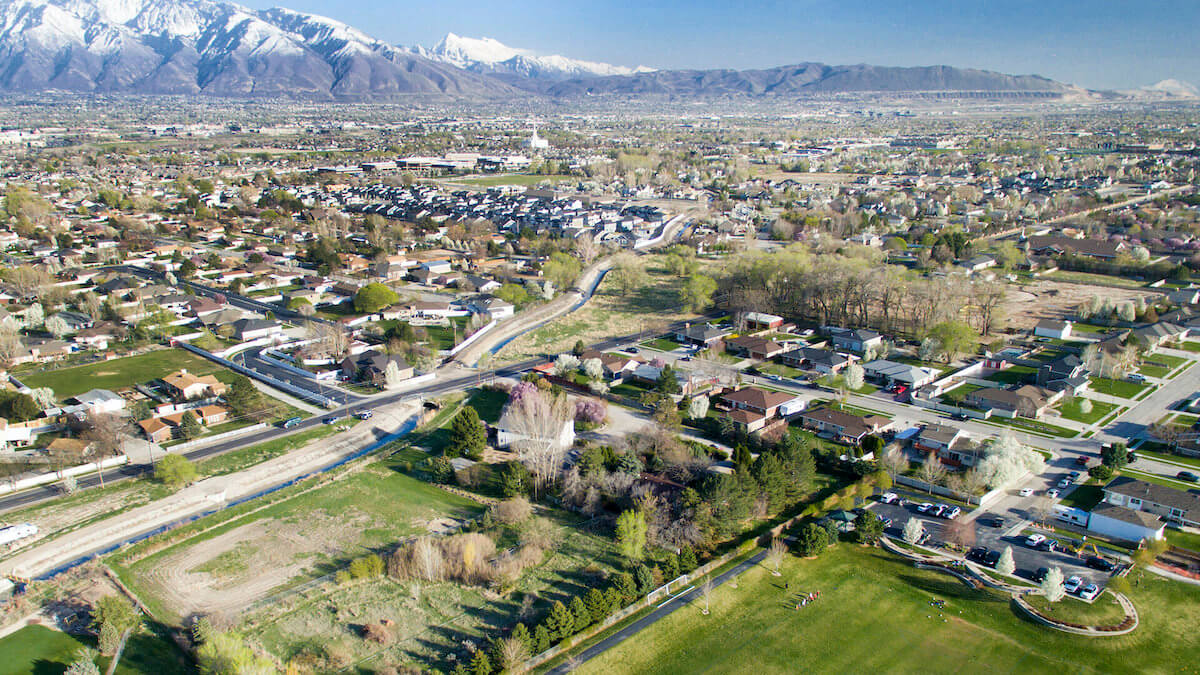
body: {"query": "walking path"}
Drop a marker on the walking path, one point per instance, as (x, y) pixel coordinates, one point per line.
(654, 616)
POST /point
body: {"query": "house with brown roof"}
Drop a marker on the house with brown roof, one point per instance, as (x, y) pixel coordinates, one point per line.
(1027, 400)
(1177, 506)
(1060, 245)
(753, 347)
(185, 386)
(156, 430)
(843, 426)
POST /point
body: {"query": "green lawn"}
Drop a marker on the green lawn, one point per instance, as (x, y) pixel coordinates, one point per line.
(782, 370)
(236, 460)
(1118, 388)
(40, 650)
(1096, 279)
(661, 344)
(1145, 450)
(1084, 497)
(1190, 346)
(1183, 539)
(874, 616)
(1035, 426)
(1014, 375)
(118, 373)
(1100, 409)
(489, 403)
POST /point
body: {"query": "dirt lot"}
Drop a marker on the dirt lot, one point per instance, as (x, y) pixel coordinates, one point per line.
(1031, 302)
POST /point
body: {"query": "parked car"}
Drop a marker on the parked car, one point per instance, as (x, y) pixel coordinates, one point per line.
(1074, 476)
(1033, 540)
(1073, 583)
(992, 558)
(364, 414)
(290, 422)
(1026, 492)
(1052, 493)
(978, 554)
(938, 510)
(889, 497)
(1081, 460)
(1064, 483)
(1097, 563)
(992, 521)
(952, 512)
(924, 507)
(887, 522)
(1188, 476)
(1089, 592)
(1050, 545)
(1041, 573)
(1136, 378)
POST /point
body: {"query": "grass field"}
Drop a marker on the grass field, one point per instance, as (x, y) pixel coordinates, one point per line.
(1118, 388)
(306, 536)
(662, 344)
(608, 313)
(874, 616)
(1014, 375)
(40, 650)
(1096, 279)
(118, 373)
(1084, 497)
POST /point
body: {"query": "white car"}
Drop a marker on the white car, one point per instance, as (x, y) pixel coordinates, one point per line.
(1073, 583)
(1089, 592)
(952, 513)
(1052, 493)
(924, 507)
(1034, 539)
(1065, 482)
(1026, 492)
(889, 497)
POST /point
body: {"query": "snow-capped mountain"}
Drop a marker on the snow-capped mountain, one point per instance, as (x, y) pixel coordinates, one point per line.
(208, 47)
(492, 57)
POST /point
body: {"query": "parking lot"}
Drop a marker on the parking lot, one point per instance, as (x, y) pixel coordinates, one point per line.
(1027, 559)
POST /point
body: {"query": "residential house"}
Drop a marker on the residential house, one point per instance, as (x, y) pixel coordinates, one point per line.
(1049, 328)
(824, 361)
(1059, 245)
(758, 321)
(616, 366)
(689, 382)
(1066, 373)
(156, 430)
(253, 329)
(184, 386)
(978, 263)
(703, 335)
(759, 411)
(1125, 524)
(101, 401)
(857, 340)
(894, 372)
(843, 426)
(952, 445)
(753, 347)
(1027, 400)
(371, 366)
(75, 321)
(1177, 506)
(494, 308)
(1157, 334)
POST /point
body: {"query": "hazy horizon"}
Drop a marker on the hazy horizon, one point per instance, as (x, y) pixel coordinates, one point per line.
(1098, 45)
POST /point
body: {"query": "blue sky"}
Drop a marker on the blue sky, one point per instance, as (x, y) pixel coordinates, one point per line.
(1096, 43)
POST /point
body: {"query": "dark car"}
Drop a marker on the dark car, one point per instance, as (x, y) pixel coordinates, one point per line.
(1188, 476)
(1098, 563)
(978, 554)
(1050, 545)
(991, 558)
(992, 521)
(1040, 574)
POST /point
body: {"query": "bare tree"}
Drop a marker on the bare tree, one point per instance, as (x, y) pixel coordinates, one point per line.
(894, 462)
(706, 590)
(535, 423)
(932, 471)
(775, 556)
(960, 532)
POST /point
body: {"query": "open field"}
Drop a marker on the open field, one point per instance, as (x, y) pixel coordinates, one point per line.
(309, 535)
(118, 373)
(1118, 388)
(1033, 301)
(874, 615)
(40, 650)
(431, 620)
(516, 179)
(1100, 409)
(607, 314)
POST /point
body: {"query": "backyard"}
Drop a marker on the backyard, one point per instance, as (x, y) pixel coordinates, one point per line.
(40, 650)
(875, 614)
(119, 373)
(1118, 388)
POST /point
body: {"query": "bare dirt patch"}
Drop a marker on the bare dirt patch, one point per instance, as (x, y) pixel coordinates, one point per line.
(1031, 302)
(231, 571)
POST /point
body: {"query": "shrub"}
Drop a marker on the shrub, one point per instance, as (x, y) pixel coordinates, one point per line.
(513, 511)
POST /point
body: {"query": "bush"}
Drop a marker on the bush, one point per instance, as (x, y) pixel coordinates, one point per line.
(175, 471)
(513, 511)
(1101, 472)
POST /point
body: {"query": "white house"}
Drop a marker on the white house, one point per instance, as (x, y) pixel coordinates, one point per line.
(1058, 330)
(101, 401)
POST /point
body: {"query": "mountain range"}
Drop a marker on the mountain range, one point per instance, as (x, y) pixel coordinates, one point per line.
(216, 48)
